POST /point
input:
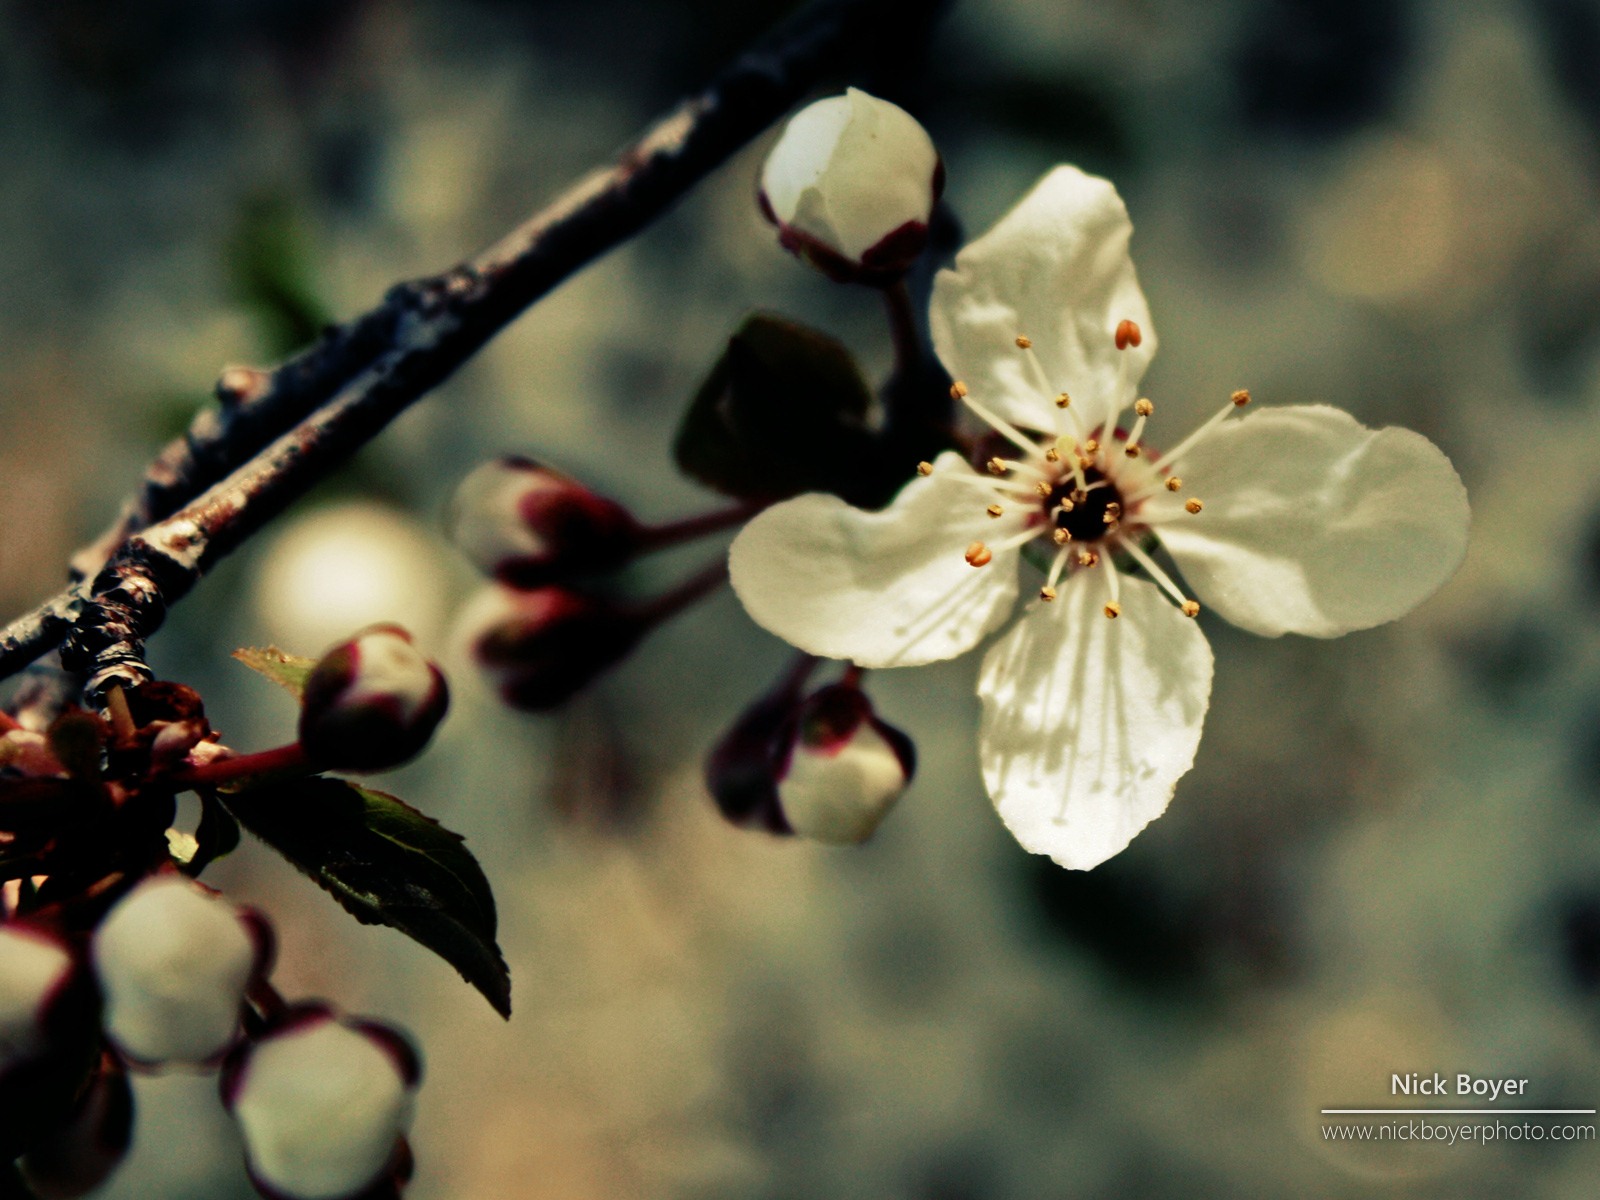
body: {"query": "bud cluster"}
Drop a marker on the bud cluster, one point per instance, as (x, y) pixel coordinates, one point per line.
(175, 975)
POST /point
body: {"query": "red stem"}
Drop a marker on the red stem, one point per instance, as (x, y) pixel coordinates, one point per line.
(281, 760)
(672, 533)
(697, 587)
(903, 329)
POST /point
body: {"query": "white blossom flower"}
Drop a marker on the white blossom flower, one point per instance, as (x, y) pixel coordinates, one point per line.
(851, 186)
(34, 971)
(1289, 520)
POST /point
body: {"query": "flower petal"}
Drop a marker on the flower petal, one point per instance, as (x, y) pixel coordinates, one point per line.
(1314, 523)
(1089, 723)
(1055, 269)
(884, 589)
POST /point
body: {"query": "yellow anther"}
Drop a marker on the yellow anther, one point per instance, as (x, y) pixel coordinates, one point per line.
(1113, 511)
(1191, 608)
(978, 554)
(1052, 455)
(1193, 505)
(1047, 593)
(1143, 407)
(1241, 398)
(1174, 484)
(1078, 496)
(1087, 558)
(996, 466)
(924, 468)
(1061, 537)
(957, 390)
(1113, 610)
(1023, 343)
(994, 510)
(1128, 334)
(1044, 489)
(1131, 451)
(1085, 461)
(1063, 400)
(1091, 447)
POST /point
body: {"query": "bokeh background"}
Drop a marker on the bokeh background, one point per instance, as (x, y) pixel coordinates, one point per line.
(1387, 857)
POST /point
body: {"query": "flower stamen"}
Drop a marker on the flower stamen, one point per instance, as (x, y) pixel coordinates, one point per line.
(979, 555)
(1161, 578)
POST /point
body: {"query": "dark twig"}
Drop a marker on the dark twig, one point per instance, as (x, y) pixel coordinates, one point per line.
(319, 408)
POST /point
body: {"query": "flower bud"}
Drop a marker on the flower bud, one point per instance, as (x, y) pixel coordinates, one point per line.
(528, 526)
(541, 647)
(851, 186)
(174, 961)
(371, 703)
(323, 1105)
(36, 974)
(79, 1154)
(825, 768)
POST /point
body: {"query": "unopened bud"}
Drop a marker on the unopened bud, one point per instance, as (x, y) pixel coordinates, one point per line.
(79, 1154)
(541, 647)
(851, 186)
(36, 970)
(174, 961)
(323, 1105)
(371, 703)
(825, 768)
(527, 525)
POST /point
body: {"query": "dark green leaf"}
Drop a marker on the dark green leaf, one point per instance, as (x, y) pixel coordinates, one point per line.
(784, 411)
(387, 864)
(270, 264)
(286, 670)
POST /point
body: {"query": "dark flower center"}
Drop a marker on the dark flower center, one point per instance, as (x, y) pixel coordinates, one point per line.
(1088, 519)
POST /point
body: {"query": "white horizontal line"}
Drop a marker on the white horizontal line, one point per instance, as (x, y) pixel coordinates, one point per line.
(1357, 1112)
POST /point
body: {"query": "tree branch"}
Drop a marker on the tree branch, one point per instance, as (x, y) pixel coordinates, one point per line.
(313, 412)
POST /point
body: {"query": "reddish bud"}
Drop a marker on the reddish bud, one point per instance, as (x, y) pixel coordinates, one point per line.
(371, 703)
(528, 526)
(541, 647)
(825, 768)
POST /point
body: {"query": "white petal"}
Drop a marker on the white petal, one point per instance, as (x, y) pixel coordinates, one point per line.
(850, 170)
(32, 967)
(1314, 523)
(1089, 723)
(1055, 269)
(885, 589)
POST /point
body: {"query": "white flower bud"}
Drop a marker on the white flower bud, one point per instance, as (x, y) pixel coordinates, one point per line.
(851, 185)
(846, 769)
(323, 1105)
(34, 970)
(527, 525)
(372, 702)
(825, 767)
(174, 961)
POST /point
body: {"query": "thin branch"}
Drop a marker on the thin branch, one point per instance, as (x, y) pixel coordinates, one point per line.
(315, 411)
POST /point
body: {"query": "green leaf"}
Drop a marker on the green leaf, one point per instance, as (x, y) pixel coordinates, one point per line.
(784, 411)
(286, 670)
(387, 864)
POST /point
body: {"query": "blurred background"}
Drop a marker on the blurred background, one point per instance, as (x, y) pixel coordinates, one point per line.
(1387, 857)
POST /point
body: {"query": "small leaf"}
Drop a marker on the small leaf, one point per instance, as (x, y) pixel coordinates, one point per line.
(387, 864)
(286, 670)
(784, 411)
(216, 835)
